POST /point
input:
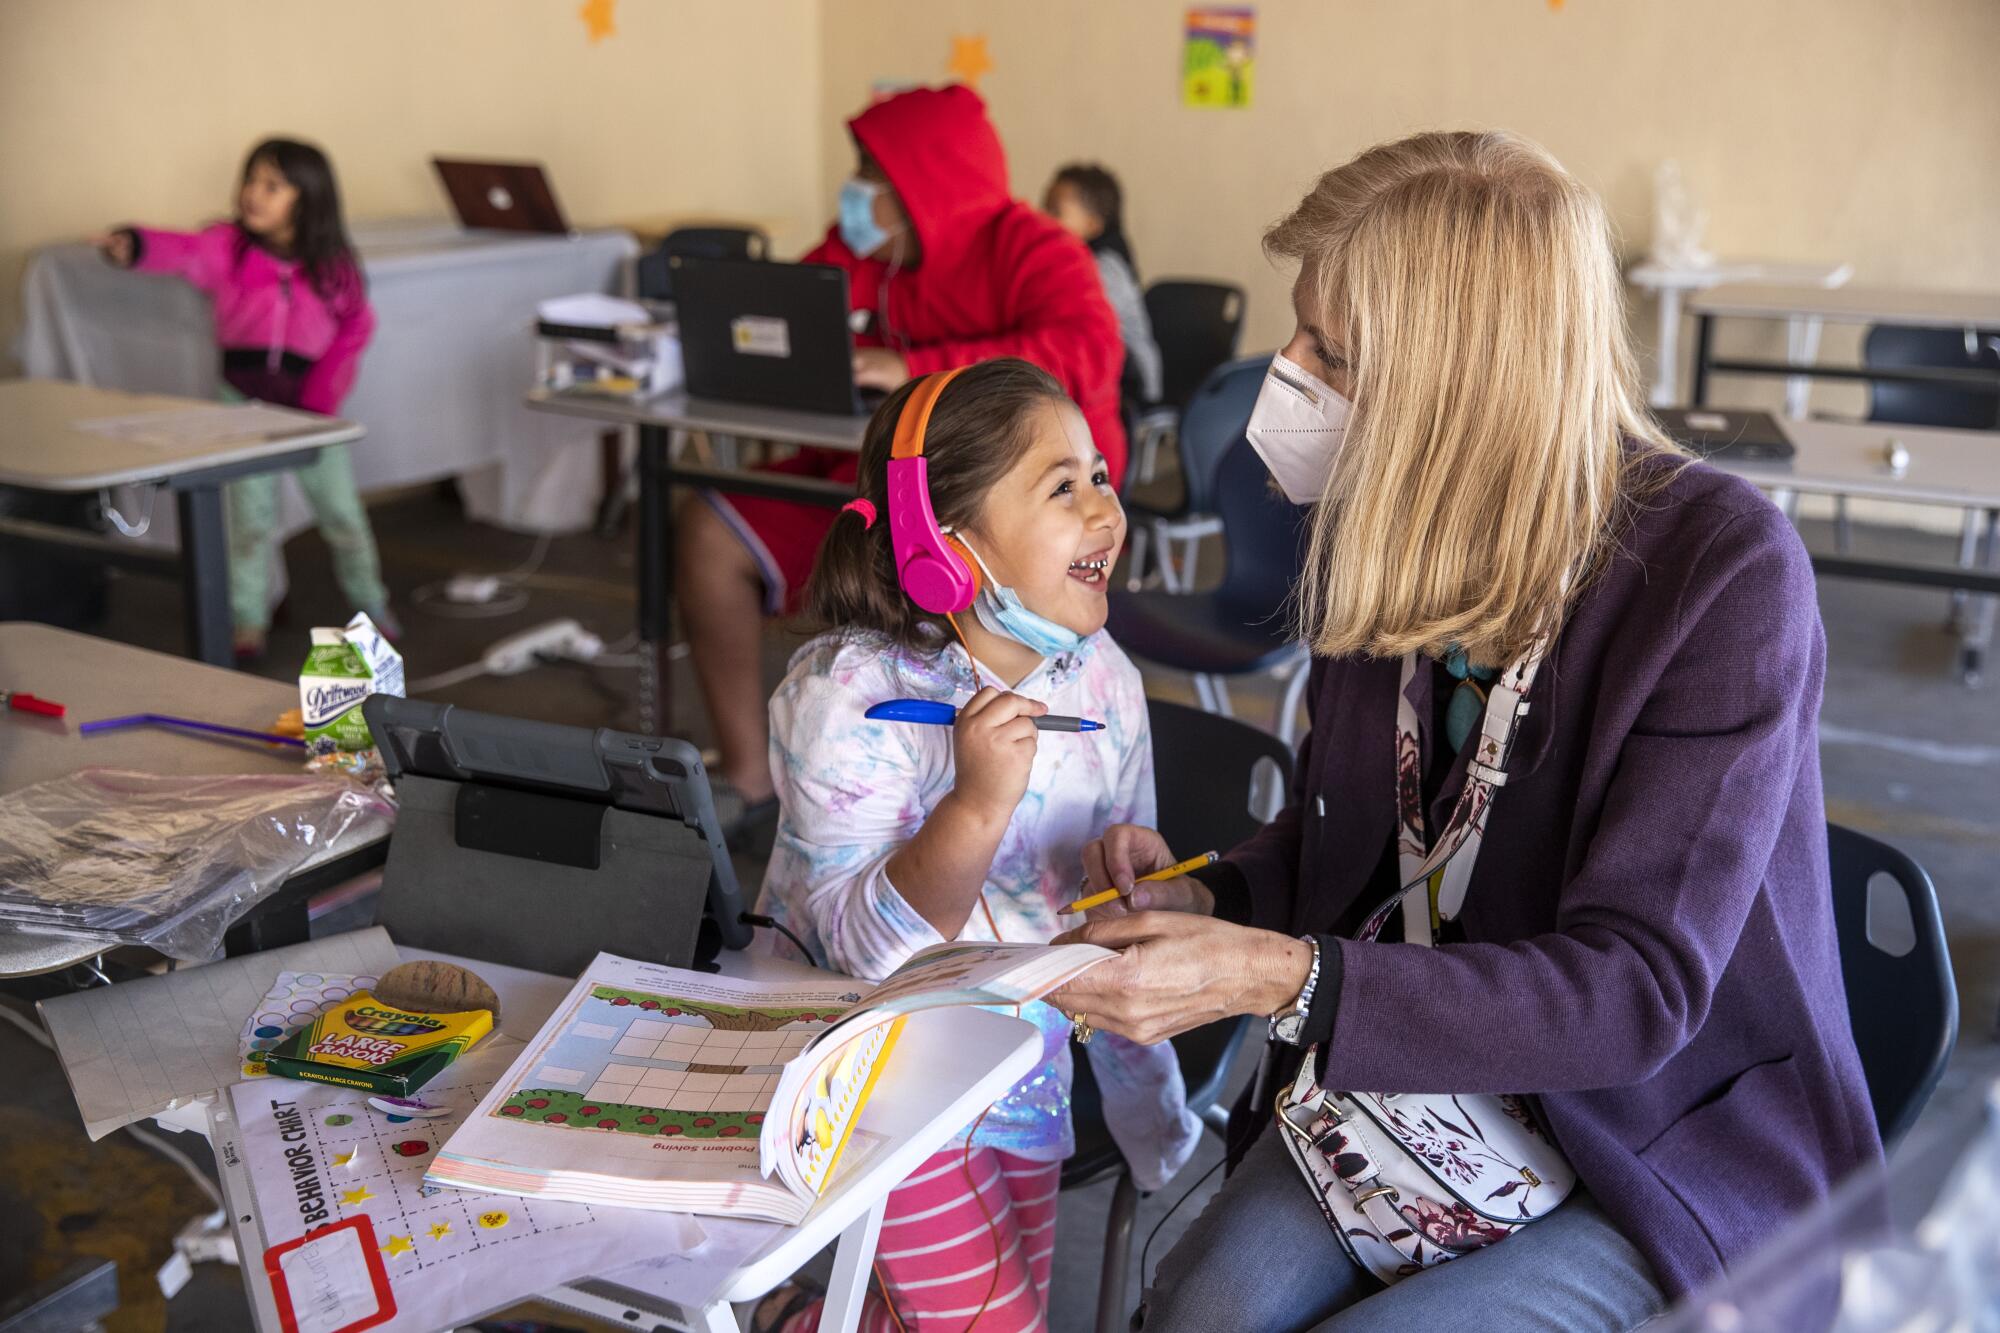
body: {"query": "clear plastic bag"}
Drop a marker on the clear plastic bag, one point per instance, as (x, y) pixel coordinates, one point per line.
(114, 857)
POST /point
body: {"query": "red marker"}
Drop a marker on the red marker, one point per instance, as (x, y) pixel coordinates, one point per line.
(28, 703)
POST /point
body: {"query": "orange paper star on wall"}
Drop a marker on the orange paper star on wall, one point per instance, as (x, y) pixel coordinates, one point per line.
(596, 16)
(969, 59)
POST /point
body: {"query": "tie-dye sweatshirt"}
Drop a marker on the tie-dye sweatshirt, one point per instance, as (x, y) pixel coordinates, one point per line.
(853, 791)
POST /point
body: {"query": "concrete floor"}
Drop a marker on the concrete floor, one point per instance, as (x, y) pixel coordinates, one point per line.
(1909, 754)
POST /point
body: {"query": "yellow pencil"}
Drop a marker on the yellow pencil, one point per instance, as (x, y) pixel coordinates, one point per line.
(1099, 899)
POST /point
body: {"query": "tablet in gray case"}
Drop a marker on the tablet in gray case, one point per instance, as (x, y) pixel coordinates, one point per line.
(536, 845)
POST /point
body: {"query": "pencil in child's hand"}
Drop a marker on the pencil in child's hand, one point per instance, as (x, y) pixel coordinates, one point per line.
(1180, 868)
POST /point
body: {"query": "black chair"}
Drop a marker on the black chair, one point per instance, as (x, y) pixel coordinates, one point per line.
(654, 275)
(1901, 998)
(1242, 626)
(1891, 347)
(1197, 326)
(1208, 424)
(1209, 770)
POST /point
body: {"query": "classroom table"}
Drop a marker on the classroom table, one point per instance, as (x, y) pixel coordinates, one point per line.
(439, 385)
(659, 420)
(1959, 468)
(949, 1066)
(95, 678)
(1809, 308)
(44, 447)
(1670, 283)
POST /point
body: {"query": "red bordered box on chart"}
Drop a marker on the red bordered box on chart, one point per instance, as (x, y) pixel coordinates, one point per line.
(331, 1280)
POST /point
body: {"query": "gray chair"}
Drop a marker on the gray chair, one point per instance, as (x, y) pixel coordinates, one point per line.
(1241, 627)
(1206, 426)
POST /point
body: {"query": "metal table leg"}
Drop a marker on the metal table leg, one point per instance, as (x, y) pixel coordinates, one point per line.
(852, 1261)
(205, 574)
(656, 581)
(1704, 326)
(1976, 636)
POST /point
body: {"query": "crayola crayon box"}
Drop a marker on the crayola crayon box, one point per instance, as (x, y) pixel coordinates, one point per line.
(360, 1043)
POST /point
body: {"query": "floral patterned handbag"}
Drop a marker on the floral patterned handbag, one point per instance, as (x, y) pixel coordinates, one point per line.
(1410, 1180)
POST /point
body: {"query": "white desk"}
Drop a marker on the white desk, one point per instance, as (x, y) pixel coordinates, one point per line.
(439, 385)
(1960, 468)
(42, 448)
(1807, 309)
(1670, 284)
(676, 411)
(658, 420)
(96, 678)
(949, 1066)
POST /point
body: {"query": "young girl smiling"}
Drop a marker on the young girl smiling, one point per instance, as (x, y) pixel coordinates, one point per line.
(893, 837)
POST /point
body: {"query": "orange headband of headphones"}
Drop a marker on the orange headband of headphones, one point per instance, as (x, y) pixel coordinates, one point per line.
(915, 418)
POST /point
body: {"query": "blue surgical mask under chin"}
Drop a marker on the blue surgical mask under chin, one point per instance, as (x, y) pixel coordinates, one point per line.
(1002, 612)
(858, 228)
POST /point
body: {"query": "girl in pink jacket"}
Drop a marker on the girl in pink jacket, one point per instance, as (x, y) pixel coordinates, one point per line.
(292, 316)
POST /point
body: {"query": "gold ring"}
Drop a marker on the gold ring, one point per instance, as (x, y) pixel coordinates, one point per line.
(1080, 1028)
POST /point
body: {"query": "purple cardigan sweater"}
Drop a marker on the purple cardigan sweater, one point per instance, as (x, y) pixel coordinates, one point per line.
(1649, 933)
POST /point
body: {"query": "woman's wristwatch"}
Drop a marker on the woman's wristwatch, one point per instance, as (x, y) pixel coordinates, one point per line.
(1288, 1024)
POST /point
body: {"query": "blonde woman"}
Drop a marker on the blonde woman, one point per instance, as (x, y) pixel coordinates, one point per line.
(1645, 947)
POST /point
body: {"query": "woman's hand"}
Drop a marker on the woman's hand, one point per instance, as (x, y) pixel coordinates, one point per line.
(993, 747)
(1127, 851)
(1176, 971)
(116, 247)
(879, 368)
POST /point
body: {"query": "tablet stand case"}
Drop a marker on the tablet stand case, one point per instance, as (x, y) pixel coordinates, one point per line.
(536, 846)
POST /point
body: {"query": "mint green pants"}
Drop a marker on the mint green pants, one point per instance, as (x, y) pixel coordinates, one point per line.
(328, 482)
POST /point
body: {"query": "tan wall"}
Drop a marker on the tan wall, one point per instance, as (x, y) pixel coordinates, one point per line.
(142, 109)
(1809, 129)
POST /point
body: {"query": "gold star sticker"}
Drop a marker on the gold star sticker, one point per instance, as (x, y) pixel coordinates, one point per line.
(343, 1158)
(969, 59)
(596, 16)
(439, 1230)
(361, 1195)
(398, 1245)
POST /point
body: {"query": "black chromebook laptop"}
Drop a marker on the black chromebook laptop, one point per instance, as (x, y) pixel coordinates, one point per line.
(1737, 437)
(774, 335)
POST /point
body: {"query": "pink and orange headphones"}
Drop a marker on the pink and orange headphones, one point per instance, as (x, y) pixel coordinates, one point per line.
(933, 566)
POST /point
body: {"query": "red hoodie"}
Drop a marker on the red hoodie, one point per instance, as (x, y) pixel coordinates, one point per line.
(995, 278)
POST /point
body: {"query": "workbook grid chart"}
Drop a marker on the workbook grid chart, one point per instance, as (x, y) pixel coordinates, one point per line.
(673, 1086)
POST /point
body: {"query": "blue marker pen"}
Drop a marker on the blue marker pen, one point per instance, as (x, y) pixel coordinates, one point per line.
(937, 714)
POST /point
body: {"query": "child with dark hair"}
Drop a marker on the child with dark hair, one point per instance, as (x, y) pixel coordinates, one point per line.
(1086, 200)
(292, 315)
(893, 837)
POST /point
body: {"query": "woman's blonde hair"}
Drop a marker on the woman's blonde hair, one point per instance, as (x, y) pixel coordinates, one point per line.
(1486, 465)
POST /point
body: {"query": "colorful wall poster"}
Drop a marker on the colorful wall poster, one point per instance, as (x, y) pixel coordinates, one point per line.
(1219, 57)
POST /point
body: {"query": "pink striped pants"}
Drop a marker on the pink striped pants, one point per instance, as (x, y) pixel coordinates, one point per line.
(948, 1268)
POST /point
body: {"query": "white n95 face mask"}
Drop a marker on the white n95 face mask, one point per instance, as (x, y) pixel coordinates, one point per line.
(1297, 428)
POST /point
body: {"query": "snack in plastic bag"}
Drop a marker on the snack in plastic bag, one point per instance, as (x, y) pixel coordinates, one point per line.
(115, 857)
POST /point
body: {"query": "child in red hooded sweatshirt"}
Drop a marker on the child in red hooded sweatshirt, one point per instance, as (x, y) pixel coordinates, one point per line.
(945, 268)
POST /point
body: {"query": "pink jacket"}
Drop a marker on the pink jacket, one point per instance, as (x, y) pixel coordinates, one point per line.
(264, 302)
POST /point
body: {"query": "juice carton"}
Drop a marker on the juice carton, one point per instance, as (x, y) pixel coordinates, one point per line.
(344, 667)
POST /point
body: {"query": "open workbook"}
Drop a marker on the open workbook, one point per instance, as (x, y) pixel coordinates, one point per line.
(655, 1087)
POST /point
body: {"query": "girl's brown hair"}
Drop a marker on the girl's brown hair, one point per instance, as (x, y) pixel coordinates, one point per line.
(981, 426)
